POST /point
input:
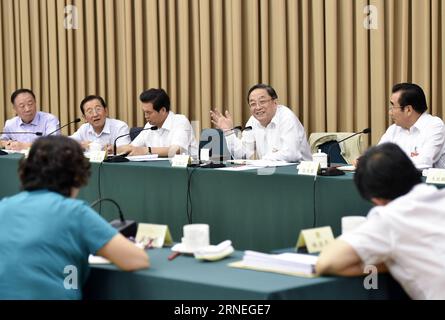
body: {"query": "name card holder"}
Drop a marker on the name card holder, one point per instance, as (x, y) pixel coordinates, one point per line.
(315, 239)
(435, 176)
(308, 168)
(181, 160)
(158, 234)
(97, 156)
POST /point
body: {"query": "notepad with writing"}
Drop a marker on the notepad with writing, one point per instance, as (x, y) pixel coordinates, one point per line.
(295, 264)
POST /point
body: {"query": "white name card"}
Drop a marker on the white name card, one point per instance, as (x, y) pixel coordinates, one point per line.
(159, 234)
(308, 168)
(180, 160)
(436, 176)
(97, 156)
(315, 239)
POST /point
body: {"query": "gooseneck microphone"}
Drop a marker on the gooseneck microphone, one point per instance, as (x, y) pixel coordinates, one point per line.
(60, 128)
(121, 158)
(127, 228)
(239, 128)
(21, 132)
(364, 131)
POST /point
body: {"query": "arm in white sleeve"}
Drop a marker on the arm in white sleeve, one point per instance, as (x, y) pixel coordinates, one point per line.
(142, 139)
(52, 125)
(241, 148)
(386, 136)
(77, 135)
(430, 150)
(123, 129)
(182, 135)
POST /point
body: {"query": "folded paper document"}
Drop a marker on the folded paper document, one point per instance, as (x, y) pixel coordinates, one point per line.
(287, 263)
(213, 253)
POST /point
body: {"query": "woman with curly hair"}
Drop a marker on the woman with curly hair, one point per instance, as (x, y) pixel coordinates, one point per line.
(46, 235)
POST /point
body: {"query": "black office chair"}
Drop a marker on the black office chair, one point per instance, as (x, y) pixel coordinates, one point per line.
(134, 132)
(332, 147)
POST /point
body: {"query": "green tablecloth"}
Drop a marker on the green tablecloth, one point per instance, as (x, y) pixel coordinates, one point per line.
(256, 210)
(186, 278)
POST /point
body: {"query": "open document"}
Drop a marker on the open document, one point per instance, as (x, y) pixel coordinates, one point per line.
(146, 157)
(287, 263)
(241, 165)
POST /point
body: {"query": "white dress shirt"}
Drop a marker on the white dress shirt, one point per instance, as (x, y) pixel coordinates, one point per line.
(176, 130)
(426, 138)
(113, 128)
(408, 235)
(282, 139)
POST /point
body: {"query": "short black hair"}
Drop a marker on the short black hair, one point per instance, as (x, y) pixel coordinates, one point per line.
(386, 172)
(158, 97)
(20, 91)
(270, 91)
(411, 94)
(90, 98)
(55, 163)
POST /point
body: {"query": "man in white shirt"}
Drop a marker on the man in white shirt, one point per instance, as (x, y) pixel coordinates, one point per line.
(419, 134)
(99, 128)
(404, 233)
(165, 133)
(276, 133)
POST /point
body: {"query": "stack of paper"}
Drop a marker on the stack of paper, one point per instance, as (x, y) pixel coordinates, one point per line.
(287, 263)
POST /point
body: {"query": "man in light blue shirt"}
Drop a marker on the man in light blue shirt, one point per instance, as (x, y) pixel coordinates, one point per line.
(99, 128)
(28, 122)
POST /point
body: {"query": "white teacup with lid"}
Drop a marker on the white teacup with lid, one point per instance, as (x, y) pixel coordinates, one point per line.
(321, 158)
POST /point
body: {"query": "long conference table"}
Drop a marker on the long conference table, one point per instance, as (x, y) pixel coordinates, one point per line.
(257, 209)
(186, 278)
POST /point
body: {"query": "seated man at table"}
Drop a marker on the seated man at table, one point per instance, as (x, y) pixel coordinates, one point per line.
(276, 133)
(404, 233)
(99, 128)
(419, 134)
(165, 133)
(28, 121)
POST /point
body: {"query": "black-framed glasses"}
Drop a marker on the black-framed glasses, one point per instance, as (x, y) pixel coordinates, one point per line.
(259, 103)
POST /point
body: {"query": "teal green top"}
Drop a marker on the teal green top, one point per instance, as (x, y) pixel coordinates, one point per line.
(45, 240)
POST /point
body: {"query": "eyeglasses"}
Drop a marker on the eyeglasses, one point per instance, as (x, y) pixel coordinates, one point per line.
(394, 107)
(260, 103)
(97, 109)
(24, 106)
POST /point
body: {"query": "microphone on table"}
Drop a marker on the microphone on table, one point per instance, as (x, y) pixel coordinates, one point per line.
(21, 132)
(60, 128)
(2, 153)
(122, 157)
(332, 171)
(127, 228)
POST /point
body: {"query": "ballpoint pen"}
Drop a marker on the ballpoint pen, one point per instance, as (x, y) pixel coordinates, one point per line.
(174, 255)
